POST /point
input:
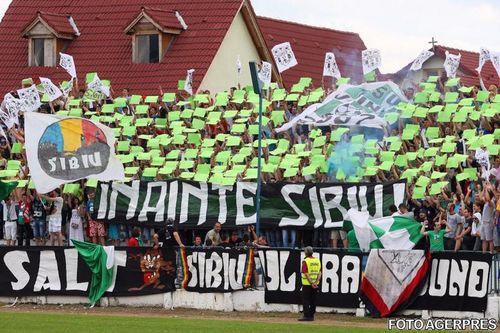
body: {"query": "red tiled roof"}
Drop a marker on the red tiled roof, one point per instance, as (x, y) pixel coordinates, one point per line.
(104, 47)
(310, 44)
(166, 19)
(58, 22)
(468, 64)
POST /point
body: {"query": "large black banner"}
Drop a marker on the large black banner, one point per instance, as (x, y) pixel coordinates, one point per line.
(340, 282)
(60, 271)
(217, 269)
(458, 281)
(199, 205)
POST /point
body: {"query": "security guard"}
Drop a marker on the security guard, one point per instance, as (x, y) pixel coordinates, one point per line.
(311, 277)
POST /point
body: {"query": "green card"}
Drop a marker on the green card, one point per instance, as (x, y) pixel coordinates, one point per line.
(426, 166)
(437, 175)
(482, 95)
(432, 132)
(450, 97)
(452, 82)
(238, 128)
(401, 161)
(433, 79)
(151, 99)
(448, 147)
(423, 181)
(181, 84)
(386, 156)
(168, 97)
(17, 148)
(233, 141)
(436, 188)
(418, 193)
(431, 152)
(319, 141)
(343, 80)
(386, 165)
(370, 77)
(150, 172)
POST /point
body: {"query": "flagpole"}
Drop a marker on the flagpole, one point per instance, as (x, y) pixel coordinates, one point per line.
(259, 156)
(257, 88)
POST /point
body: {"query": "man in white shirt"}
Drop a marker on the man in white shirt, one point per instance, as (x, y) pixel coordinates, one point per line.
(10, 218)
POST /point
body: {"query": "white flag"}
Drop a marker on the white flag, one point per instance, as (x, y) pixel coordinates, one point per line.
(66, 89)
(238, 65)
(422, 57)
(30, 97)
(451, 64)
(98, 86)
(52, 91)
(330, 68)
(283, 56)
(371, 60)
(188, 86)
(265, 72)
(484, 56)
(9, 110)
(495, 60)
(68, 63)
(65, 149)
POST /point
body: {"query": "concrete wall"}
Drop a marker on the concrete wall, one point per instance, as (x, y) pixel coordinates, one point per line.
(242, 301)
(222, 73)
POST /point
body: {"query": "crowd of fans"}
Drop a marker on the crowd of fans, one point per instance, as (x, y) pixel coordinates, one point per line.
(444, 142)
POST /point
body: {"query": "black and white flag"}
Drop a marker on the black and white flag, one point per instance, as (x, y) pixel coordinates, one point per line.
(52, 91)
(68, 63)
(484, 56)
(330, 67)
(422, 57)
(30, 98)
(188, 86)
(371, 60)
(265, 72)
(283, 56)
(451, 64)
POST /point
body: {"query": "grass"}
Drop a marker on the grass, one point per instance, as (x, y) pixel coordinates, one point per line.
(90, 323)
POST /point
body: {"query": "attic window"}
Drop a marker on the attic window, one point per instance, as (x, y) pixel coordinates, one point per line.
(153, 32)
(147, 48)
(48, 34)
(41, 52)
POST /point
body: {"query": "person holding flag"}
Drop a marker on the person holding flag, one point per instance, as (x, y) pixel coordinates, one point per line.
(311, 277)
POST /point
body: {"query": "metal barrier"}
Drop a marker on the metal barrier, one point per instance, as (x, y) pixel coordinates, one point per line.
(494, 282)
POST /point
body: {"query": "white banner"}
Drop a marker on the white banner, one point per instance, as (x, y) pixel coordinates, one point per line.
(495, 60)
(451, 64)
(65, 149)
(283, 56)
(362, 105)
(97, 86)
(9, 110)
(68, 63)
(52, 91)
(265, 72)
(330, 68)
(422, 57)
(188, 85)
(484, 56)
(30, 98)
(371, 60)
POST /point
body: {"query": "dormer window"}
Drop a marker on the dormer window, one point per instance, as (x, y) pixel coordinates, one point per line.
(48, 34)
(153, 32)
(147, 48)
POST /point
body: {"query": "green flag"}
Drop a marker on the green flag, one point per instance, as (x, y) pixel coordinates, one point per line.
(6, 188)
(100, 260)
(391, 232)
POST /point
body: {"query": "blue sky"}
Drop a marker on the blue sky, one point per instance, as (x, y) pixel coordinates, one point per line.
(399, 28)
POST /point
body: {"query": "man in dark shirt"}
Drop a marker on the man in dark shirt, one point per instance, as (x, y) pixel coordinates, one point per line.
(169, 238)
(235, 240)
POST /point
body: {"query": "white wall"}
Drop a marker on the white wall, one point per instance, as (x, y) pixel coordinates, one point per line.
(243, 301)
(222, 73)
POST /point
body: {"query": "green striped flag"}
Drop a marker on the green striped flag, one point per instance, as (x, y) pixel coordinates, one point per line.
(391, 232)
(101, 260)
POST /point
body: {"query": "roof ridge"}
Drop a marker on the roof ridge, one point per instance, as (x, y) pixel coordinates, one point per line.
(456, 49)
(306, 25)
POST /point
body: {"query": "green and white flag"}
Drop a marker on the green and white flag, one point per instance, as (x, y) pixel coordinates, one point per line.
(101, 261)
(391, 232)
